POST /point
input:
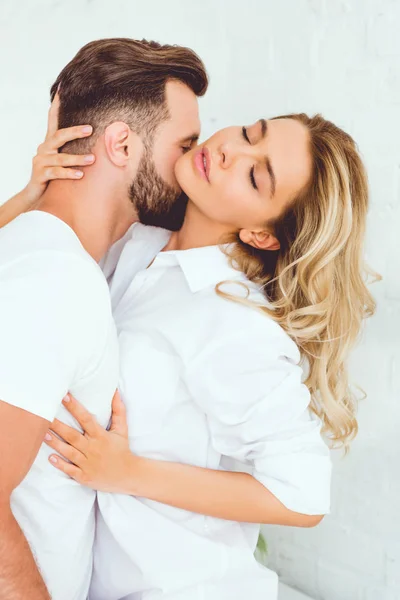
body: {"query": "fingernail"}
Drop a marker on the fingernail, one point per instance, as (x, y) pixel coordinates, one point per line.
(47, 437)
(89, 158)
(78, 174)
(87, 129)
(53, 459)
(67, 398)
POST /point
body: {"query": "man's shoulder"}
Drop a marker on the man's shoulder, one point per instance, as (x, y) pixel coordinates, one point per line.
(50, 268)
(47, 257)
(56, 288)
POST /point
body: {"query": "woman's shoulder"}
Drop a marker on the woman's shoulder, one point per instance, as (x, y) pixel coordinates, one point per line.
(238, 311)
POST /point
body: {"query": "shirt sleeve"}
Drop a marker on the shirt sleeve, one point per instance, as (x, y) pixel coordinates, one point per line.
(49, 307)
(249, 384)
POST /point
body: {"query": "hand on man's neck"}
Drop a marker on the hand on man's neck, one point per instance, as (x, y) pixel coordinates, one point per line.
(92, 210)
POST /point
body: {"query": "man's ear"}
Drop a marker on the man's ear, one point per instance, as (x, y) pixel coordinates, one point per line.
(262, 240)
(122, 145)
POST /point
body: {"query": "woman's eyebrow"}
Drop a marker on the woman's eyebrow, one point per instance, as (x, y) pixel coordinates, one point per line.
(264, 132)
(264, 127)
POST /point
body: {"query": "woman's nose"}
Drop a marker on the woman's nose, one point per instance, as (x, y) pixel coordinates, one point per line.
(230, 153)
(227, 154)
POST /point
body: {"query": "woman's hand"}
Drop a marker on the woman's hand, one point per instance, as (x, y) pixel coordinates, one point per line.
(49, 164)
(102, 460)
(99, 459)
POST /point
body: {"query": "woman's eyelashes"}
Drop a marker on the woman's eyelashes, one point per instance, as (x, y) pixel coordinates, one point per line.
(252, 178)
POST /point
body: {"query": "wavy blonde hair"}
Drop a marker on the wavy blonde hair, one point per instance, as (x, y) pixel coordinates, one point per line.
(316, 282)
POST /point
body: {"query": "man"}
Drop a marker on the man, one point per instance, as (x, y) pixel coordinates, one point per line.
(140, 99)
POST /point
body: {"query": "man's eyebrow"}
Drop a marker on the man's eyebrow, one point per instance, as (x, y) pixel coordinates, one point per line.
(191, 138)
(264, 131)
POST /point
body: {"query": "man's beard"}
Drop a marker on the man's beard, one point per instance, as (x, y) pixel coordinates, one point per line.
(156, 202)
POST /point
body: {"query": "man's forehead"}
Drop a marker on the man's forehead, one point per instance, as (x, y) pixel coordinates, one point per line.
(183, 108)
(185, 129)
(181, 100)
(179, 131)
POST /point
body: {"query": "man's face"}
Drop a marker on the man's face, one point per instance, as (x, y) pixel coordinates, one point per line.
(155, 192)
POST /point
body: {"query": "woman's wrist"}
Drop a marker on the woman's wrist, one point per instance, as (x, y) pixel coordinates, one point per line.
(145, 477)
(134, 471)
(31, 194)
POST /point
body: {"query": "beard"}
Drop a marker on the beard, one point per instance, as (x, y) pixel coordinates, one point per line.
(156, 202)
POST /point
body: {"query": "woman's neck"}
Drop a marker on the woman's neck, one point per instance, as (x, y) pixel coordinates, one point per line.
(197, 231)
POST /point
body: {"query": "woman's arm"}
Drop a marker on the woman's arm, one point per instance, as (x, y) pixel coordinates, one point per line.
(25, 200)
(47, 165)
(103, 461)
(222, 494)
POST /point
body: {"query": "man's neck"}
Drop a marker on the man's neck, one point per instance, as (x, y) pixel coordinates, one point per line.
(197, 231)
(92, 211)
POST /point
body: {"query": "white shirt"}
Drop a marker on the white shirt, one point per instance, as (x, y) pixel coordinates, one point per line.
(57, 335)
(205, 381)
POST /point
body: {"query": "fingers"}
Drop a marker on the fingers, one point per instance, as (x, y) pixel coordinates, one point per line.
(62, 136)
(48, 164)
(52, 120)
(69, 434)
(52, 173)
(64, 160)
(119, 422)
(66, 467)
(70, 453)
(118, 407)
(85, 419)
(54, 166)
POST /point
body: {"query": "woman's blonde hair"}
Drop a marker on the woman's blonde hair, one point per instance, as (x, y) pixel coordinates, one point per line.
(316, 282)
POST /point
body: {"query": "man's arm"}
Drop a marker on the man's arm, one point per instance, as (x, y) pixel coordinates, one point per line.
(21, 435)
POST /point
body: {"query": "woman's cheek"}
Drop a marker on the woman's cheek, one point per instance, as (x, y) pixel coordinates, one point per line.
(184, 175)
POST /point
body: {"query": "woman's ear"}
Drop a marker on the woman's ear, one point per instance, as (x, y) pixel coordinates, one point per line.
(122, 144)
(262, 240)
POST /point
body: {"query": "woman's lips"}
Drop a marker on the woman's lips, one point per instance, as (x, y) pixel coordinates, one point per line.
(202, 163)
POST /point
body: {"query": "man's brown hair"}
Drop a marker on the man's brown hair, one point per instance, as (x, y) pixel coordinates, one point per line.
(120, 79)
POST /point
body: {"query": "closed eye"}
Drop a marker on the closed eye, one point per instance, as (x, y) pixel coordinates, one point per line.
(253, 179)
(189, 143)
(251, 174)
(188, 147)
(244, 134)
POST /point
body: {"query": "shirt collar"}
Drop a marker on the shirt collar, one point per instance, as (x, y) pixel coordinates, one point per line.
(202, 267)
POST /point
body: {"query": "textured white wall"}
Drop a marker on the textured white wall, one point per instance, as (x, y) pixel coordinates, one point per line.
(338, 57)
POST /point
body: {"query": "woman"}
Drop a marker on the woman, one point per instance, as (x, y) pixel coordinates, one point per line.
(266, 270)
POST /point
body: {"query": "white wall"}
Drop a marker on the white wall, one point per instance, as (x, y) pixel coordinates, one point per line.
(266, 57)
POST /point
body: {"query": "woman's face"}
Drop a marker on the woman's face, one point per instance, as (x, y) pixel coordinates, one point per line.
(244, 177)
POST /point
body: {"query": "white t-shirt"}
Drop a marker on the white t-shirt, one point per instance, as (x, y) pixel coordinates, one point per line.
(211, 383)
(56, 335)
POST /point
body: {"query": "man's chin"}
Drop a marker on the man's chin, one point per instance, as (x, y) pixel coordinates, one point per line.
(168, 217)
